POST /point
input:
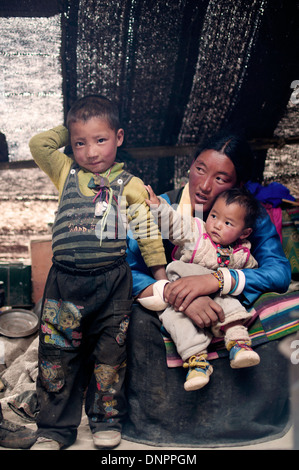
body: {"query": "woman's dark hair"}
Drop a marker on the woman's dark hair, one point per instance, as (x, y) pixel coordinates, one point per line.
(236, 148)
(245, 199)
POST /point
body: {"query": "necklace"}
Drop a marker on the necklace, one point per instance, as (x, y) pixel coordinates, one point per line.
(101, 187)
(223, 255)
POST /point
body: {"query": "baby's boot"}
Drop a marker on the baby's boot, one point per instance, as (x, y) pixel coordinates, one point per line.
(237, 342)
(199, 372)
(242, 355)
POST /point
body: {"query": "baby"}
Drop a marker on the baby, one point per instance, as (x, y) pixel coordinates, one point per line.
(219, 247)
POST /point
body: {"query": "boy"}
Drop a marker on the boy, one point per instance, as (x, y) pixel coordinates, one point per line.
(220, 243)
(87, 299)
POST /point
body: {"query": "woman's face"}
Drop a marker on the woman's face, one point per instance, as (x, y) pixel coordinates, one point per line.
(211, 173)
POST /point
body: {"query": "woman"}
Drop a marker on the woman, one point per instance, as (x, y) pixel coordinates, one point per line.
(236, 407)
(221, 163)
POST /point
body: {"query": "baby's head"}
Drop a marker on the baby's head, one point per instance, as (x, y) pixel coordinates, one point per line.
(95, 132)
(232, 216)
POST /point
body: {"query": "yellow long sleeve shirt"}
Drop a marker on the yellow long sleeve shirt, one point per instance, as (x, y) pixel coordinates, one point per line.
(45, 149)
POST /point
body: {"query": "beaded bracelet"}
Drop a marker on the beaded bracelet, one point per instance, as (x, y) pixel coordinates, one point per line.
(219, 276)
(224, 278)
(227, 280)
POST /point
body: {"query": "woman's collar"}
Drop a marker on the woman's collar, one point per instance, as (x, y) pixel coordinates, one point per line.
(185, 206)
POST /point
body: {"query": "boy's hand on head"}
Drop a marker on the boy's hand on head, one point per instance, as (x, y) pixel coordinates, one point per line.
(153, 199)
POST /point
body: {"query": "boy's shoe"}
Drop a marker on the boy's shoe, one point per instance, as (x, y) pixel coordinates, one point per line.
(106, 439)
(199, 372)
(241, 355)
(45, 443)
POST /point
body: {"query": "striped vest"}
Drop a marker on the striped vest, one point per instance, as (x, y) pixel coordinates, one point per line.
(83, 238)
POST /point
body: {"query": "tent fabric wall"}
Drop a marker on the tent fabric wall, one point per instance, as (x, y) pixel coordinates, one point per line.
(183, 69)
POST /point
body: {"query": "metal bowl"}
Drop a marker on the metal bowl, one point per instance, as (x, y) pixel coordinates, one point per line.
(17, 323)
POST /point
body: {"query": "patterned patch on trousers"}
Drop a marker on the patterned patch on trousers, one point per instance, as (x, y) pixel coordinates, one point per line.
(106, 376)
(110, 411)
(123, 328)
(58, 323)
(51, 375)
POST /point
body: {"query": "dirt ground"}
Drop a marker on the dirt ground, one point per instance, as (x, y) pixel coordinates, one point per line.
(28, 201)
(84, 442)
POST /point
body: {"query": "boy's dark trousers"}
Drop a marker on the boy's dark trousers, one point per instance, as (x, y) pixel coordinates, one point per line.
(82, 350)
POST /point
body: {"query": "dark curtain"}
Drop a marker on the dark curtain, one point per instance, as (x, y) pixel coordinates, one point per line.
(182, 69)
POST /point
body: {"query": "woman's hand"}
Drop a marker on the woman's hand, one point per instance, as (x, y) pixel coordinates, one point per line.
(204, 312)
(183, 291)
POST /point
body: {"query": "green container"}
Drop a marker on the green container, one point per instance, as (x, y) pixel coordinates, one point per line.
(17, 284)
